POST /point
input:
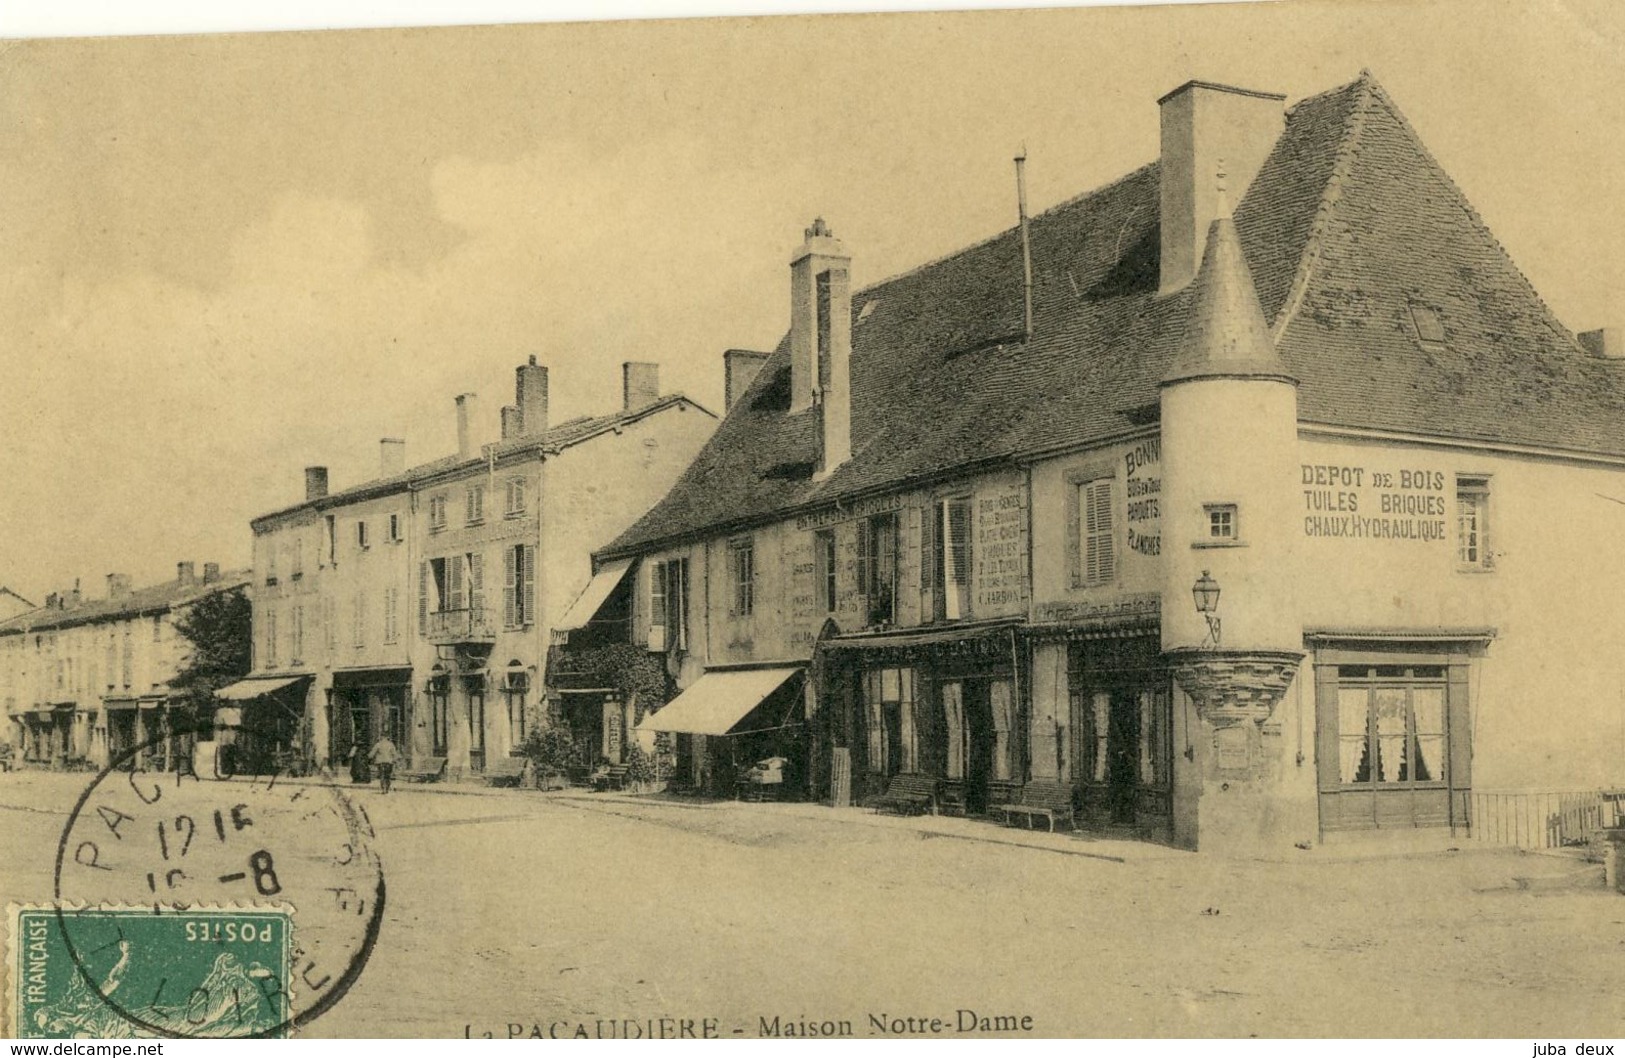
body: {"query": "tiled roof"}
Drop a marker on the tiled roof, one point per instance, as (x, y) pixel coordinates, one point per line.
(153, 599)
(1348, 222)
(565, 434)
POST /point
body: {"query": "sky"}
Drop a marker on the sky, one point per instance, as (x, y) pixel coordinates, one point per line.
(227, 257)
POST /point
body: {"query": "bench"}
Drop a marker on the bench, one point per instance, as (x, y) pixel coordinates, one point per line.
(425, 769)
(909, 795)
(506, 771)
(612, 778)
(1043, 799)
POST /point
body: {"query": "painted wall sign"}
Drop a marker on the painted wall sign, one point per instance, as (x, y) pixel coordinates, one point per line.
(860, 509)
(1128, 606)
(1000, 548)
(1366, 503)
(1143, 467)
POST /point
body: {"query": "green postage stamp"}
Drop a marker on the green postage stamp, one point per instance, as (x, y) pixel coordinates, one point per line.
(204, 972)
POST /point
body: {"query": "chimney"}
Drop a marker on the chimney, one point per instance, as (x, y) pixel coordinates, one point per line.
(186, 573)
(530, 394)
(391, 456)
(466, 448)
(739, 369)
(1207, 127)
(821, 340)
(510, 421)
(1605, 342)
(211, 572)
(118, 585)
(315, 483)
(640, 384)
(53, 601)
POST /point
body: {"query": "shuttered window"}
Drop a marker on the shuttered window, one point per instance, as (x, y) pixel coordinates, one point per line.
(423, 598)
(476, 584)
(1099, 560)
(954, 558)
(518, 585)
(742, 568)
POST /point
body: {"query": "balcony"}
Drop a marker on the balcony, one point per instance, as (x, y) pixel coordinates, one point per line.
(460, 626)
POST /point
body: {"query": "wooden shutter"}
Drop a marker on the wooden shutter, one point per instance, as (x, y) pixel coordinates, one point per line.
(1099, 560)
(454, 578)
(527, 584)
(680, 613)
(657, 595)
(510, 595)
(476, 583)
(423, 599)
(928, 562)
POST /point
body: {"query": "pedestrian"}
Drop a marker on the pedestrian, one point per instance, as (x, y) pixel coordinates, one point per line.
(383, 754)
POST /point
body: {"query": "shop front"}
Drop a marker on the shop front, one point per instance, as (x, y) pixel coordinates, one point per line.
(48, 737)
(1118, 744)
(728, 722)
(260, 726)
(946, 704)
(363, 706)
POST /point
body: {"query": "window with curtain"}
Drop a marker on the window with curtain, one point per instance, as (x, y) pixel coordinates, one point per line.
(1391, 724)
(1002, 697)
(953, 718)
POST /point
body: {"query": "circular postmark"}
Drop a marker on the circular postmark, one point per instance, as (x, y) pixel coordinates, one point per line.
(212, 906)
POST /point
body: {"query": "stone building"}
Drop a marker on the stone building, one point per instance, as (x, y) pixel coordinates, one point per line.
(86, 681)
(420, 603)
(1253, 498)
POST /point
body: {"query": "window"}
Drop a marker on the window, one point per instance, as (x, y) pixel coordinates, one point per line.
(439, 695)
(129, 658)
(1390, 724)
(271, 548)
(513, 503)
(657, 606)
(1221, 523)
(157, 628)
(518, 585)
(893, 735)
(332, 540)
(824, 568)
(742, 575)
(358, 620)
(1099, 564)
(270, 644)
(668, 605)
(296, 652)
(394, 528)
(446, 578)
(361, 534)
(953, 556)
(515, 690)
(392, 600)
(475, 562)
(877, 567)
(1002, 699)
(1472, 523)
(476, 505)
(297, 569)
(437, 513)
(330, 623)
(1428, 321)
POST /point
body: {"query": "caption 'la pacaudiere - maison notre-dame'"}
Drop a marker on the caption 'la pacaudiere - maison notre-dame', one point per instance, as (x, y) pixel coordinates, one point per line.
(1250, 499)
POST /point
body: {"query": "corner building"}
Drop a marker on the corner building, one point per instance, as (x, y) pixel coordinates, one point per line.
(1274, 518)
(421, 603)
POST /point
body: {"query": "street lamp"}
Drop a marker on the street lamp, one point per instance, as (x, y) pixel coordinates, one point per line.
(1205, 592)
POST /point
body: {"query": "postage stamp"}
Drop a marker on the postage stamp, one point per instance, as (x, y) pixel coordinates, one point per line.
(196, 906)
(205, 972)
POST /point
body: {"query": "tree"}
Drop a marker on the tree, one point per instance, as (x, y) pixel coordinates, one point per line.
(220, 629)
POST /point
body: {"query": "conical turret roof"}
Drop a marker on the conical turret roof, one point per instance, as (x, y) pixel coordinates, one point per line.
(1225, 332)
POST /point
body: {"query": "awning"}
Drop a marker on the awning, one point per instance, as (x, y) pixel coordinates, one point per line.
(593, 596)
(717, 702)
(255, 686)
(352, 679)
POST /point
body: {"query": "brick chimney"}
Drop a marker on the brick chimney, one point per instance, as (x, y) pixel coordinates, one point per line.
(530, 395)
(821, 340)
(1205, 128)
(186, 573)
(640, 384)
(118, 585)
(315, 483)
(1607, 343)
(467, 448)
(510, 421)
(739, 369)
(211, 572)
(391, 456)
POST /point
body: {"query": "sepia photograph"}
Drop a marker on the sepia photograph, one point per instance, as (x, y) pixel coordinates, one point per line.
(1075, 522)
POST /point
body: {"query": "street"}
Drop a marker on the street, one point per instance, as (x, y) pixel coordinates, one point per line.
(518, 912)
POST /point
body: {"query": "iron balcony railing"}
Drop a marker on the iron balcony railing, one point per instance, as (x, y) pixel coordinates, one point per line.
(460, 625)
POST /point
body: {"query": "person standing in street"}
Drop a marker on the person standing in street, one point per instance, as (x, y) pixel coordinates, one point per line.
(383, 755)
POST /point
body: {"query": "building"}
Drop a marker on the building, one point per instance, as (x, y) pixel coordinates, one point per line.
(421, 603)
(89, 681)
(1252, 498)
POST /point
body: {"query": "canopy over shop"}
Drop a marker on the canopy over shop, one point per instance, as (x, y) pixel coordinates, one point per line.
(732, 718)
